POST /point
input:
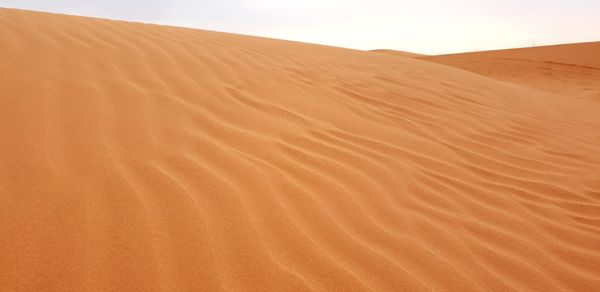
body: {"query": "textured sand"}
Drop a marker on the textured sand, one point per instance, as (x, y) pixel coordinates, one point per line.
(141, 157)
(572, 70)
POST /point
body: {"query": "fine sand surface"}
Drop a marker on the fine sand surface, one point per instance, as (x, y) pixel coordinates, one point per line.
(572, 70)
(141, 157)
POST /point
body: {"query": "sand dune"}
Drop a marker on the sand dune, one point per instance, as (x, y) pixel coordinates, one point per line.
(572, 70)
(398, 53)
(140, 157)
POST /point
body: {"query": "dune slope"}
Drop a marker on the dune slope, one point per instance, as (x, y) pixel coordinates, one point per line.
(571, 70)
(140, 157)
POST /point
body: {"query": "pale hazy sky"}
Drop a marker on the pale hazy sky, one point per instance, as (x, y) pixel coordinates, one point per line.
(423, 26)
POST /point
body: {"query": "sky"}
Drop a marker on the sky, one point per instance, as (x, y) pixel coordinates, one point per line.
(421, 26)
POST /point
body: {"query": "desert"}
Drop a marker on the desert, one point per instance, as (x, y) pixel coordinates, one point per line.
(142, 157)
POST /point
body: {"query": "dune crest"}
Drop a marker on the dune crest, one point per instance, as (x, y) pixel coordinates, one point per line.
(139, 157)
(398, 53)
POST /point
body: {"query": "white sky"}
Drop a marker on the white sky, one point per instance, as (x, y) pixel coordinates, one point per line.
(425, 26)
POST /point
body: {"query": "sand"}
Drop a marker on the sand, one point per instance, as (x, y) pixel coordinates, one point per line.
(399, 53)
(137, 157)
(571, 70)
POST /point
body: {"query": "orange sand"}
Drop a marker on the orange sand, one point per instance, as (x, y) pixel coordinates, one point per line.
(571, 70)
(399, 53)
(140, 157)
